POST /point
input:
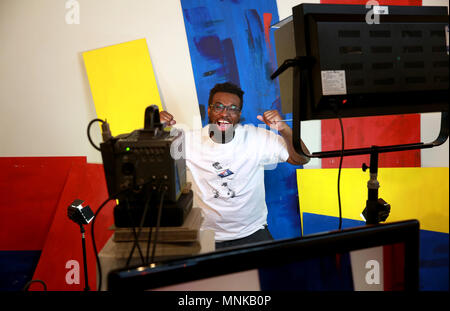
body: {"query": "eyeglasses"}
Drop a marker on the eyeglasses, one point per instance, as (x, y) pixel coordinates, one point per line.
(219, 108)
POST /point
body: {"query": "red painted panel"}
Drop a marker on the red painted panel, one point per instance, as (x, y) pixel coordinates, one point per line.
(369, 131)
(30, 188)
(381, 2)
(86, 182)
(394, 267)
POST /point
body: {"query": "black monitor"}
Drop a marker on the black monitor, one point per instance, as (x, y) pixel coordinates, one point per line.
(279, 264)
(355, 63)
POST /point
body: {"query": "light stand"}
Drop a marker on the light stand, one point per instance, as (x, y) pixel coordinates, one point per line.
(83, 244)
(376, 210)
(81, 216)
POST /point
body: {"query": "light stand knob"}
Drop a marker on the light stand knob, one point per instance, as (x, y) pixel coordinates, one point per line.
(365, 167)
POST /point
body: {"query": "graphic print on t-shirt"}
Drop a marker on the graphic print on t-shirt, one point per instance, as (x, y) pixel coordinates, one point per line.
(222, 188)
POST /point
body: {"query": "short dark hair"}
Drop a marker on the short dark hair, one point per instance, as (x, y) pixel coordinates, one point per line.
(226, 87)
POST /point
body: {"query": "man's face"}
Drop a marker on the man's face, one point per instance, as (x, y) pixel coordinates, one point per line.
(225, 118)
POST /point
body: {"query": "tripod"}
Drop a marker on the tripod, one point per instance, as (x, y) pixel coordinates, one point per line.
(83, 243)
(376, 209)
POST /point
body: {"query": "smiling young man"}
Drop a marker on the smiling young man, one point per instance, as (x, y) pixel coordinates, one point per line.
(226, 161)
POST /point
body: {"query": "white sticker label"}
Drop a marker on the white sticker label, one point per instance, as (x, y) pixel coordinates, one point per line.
(333, 82)
(380, 10)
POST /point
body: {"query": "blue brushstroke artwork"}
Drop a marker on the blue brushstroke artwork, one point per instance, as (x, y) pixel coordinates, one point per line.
(231, 41)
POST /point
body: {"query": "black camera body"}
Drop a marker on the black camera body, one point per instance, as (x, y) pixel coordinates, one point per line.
(142, 161)
(141, 165)
(145, 160)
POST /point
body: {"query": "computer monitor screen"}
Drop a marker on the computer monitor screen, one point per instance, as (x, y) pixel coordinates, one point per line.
(348, 259)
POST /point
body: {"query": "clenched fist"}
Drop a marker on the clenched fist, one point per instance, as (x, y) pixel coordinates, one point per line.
(273, 119)
(167, 118)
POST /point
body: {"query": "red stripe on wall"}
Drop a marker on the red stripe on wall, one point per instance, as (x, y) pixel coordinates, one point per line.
(63, 243)
(30, 188)
(267, 17)
(394, 267)
(369, 131)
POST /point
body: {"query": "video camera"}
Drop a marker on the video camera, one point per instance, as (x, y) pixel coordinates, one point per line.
(146, 167)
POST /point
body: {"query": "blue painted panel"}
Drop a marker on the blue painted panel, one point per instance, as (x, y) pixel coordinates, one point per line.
(227, 42)
(434, 261)
(17, 268)
(282, 201)
(314, 223)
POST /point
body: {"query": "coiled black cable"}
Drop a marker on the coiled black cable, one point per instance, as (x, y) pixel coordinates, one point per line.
(89, 132)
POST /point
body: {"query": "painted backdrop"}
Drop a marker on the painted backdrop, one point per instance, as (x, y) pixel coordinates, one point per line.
(231, 40)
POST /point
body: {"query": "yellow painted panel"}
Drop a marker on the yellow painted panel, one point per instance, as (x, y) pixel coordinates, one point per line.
(413, 192)
(122, 84)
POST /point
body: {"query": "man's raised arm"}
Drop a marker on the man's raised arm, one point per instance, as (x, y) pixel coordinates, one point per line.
(273, 119)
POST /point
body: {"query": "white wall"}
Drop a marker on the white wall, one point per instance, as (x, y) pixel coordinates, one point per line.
(285, 6)
(45, 97)
(435, 3)
(45, 100)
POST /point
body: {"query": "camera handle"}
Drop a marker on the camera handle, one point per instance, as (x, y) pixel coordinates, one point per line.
(151, 119)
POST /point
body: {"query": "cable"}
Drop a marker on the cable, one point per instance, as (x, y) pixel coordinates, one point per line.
(157, 225)
(150, 230)
(27, 285)
(136, 239)
(144, 216)
(93, 236)
(136, 236)
(149, 237)
(93, 240)
(339, 174)
(89, 132)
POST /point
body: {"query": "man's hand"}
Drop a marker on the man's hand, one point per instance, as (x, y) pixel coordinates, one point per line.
(273, 119)
(167, 118)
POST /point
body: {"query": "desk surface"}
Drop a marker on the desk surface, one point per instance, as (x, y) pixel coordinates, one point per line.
(114, 255)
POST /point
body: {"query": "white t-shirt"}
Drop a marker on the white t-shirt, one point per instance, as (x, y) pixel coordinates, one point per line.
(228, 179)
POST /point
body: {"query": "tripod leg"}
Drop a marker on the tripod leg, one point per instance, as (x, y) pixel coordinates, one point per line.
(83, 242)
